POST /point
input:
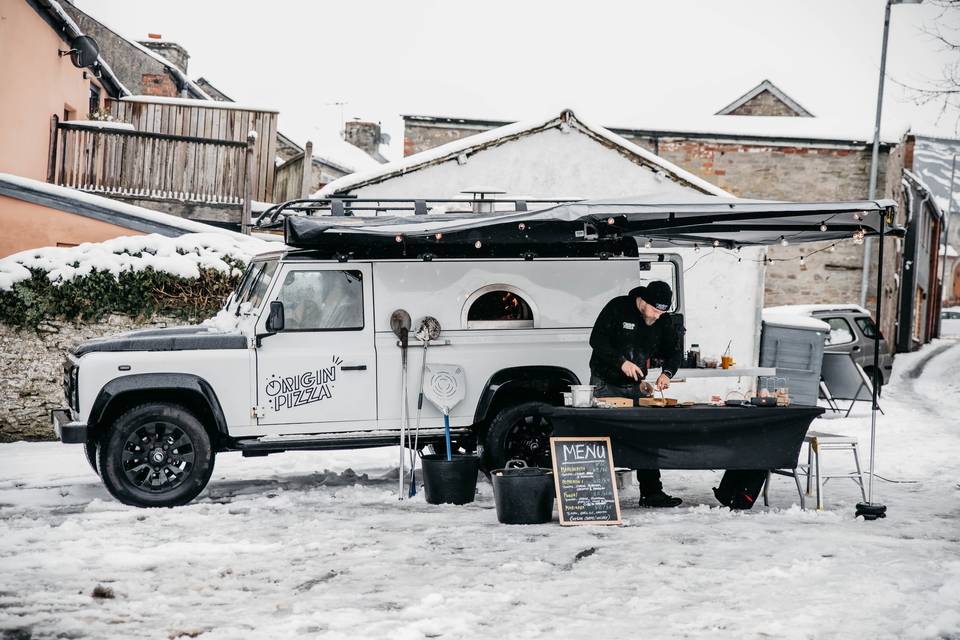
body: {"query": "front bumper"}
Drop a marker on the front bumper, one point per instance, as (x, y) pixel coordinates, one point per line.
(67, 430)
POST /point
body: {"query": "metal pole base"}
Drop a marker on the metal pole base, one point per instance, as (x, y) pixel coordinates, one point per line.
(871, 511)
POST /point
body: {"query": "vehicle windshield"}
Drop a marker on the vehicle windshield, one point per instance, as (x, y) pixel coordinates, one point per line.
(244, 285)
(254, 285)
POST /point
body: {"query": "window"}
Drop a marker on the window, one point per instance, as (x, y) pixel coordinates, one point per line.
(840, 331)
(94, 105)
(322, 300)
(259, 283)
(868, 327)
(498, 307)
(665, 271)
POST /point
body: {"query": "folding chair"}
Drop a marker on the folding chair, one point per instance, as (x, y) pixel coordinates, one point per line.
(845, 379)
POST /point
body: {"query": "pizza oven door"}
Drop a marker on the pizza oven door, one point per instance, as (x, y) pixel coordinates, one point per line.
(320, 369)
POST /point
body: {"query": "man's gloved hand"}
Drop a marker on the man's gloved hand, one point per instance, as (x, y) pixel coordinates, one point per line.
(631, 370)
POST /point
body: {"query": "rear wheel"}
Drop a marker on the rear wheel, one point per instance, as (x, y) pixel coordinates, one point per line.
(519, 432)
(156, 455)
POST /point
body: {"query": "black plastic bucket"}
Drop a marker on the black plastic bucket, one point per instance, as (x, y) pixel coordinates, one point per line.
(524, 495)
(450, 481)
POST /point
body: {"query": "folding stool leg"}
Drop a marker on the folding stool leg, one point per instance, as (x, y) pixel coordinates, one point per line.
(803, 502)
(819, 483)
(809, 467)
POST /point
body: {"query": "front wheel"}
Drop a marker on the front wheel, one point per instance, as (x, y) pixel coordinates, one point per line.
(156, 455)
(519, 432)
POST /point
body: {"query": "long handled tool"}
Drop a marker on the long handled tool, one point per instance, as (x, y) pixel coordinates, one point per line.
(400, 325)
(446, 388)
(428, 330)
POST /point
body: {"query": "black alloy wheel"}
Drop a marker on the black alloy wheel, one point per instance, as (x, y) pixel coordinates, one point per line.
(520, 432)
(156, 455)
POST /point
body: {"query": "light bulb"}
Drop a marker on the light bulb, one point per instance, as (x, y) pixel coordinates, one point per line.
(858, 236)
(648, 244)
(823, 226)
(521, 226)
(783, 241)
(438, 236)
(856, 216)
(398, 238)
(716, 243)
(696, 248)
(832, 248)
(610, 220)
(477, 244)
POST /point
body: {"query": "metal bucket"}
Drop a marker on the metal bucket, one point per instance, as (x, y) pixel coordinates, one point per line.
(523, 495)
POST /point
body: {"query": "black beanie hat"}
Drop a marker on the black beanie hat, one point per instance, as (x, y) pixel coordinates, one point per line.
(657, 293)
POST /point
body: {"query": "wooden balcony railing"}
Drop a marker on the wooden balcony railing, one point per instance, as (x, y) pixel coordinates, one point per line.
(117, 161)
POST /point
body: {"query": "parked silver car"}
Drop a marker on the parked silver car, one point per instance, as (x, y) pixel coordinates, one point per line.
(852, 330)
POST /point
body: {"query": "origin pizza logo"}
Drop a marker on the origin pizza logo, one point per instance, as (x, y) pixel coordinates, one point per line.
(311, 386)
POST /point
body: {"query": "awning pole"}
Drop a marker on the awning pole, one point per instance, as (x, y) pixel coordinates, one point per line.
(869, 510)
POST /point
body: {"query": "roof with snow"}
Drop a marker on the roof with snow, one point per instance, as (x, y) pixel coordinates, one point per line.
(772, 89)
(458, 149)
(103, 209)
(67, 29)
(811, 309)
(749, 129)
(182, 81)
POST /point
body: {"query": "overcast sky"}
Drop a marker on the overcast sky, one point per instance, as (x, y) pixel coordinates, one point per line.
(639, 64)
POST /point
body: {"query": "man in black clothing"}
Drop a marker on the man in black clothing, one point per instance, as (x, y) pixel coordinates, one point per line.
(631, 330)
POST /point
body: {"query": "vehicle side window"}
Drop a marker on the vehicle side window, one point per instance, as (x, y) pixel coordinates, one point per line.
(840, 331)
(261, 281)
(322, 300)
(500, 308)
(868, 327)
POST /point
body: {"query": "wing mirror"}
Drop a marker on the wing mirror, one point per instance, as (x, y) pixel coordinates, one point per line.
(275, 319)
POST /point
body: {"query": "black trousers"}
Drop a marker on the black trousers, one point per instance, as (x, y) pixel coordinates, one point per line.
(647, 479)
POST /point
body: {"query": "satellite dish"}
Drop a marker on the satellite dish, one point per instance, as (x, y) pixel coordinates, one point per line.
(84, 52)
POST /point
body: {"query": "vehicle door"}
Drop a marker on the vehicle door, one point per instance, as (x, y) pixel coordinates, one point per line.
(320, 369)
(843, 338)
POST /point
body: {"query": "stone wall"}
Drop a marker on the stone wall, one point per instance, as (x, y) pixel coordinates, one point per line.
(764, 104)
(33, 361)
(417, 138)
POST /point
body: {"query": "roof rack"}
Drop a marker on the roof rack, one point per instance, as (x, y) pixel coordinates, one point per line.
(349, 206)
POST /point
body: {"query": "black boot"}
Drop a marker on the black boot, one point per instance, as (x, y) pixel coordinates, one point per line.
(659, 499)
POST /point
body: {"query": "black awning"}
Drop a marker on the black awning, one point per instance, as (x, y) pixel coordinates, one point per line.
(694, 220)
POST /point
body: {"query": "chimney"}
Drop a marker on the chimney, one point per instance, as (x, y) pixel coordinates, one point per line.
(169, 50)
(366, 136)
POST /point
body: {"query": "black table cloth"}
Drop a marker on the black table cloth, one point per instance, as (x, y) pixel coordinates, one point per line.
(694, 437)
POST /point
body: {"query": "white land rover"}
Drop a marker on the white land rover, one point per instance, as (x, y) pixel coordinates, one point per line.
(302, 356)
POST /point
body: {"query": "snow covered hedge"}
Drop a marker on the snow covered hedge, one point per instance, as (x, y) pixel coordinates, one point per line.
(187, 277)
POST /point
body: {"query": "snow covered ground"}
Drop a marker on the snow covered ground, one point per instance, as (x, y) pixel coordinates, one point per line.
(298, 545)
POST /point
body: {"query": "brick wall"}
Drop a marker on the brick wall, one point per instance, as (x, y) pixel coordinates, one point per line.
(154, 84)
(763, 104)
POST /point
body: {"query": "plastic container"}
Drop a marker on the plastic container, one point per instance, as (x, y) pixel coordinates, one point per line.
(582, 394)
(450, 481)
(524, 495)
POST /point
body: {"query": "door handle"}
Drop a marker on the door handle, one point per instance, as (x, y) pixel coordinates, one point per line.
(353, 367)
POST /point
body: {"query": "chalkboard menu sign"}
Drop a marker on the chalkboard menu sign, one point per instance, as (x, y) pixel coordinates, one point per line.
(584, 475)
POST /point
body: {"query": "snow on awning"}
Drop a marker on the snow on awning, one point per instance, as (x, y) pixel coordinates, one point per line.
(696, 220)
